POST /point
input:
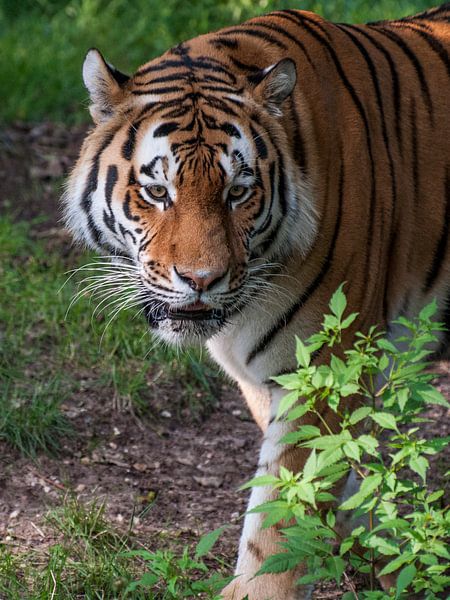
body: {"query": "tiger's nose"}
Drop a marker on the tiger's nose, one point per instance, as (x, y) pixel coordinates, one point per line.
(201, 280)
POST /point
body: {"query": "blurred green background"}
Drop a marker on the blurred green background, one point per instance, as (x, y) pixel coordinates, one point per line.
(43, 42)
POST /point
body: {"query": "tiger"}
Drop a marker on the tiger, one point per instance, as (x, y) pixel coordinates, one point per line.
(237, 180)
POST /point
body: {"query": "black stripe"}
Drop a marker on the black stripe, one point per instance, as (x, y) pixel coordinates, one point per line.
(149, 169)
(220, 41)
(91, 186)
(431, 13)
(165, 79)
(230, 130)
(281, 184)
(124, 231)
(222, 104)
(164, 129)
(396, 90)
(286, 318)
(244, 66)
(379, 101)
(260, 144)
(268, 218)
(243, 30)
(160, 66)
(432, 42)
(293, 39)
(415, 171)
(299, 152)
(213, 79)
(127, 208)
(112, 177)
(210, 64)
(168, 89)
(441, 248)
(301, 21)
(398, 40)
(225, 90)
(128, 146)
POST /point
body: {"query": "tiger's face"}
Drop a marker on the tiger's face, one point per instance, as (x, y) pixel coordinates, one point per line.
(198, 198)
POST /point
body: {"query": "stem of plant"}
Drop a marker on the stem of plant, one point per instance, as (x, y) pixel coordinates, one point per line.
(372, 558)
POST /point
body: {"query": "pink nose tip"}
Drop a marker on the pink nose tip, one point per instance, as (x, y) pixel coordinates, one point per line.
(201, 280)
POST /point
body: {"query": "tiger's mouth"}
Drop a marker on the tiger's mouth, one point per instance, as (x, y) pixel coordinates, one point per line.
(157, 312)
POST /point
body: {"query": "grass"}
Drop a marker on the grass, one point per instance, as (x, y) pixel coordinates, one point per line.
(45, 356)
(89, 558)
(45, 41)
(85, 561)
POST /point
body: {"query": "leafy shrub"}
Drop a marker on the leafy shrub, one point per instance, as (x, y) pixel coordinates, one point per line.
(406, 524)
(171, 577)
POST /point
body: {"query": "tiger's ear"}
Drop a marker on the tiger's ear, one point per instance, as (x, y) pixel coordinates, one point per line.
(105, 85)
(274, 84)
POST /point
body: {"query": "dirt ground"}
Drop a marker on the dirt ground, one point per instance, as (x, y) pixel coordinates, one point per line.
(172, 475)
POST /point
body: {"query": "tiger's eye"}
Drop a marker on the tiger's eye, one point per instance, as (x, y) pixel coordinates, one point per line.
(157, 191)
(237, 191)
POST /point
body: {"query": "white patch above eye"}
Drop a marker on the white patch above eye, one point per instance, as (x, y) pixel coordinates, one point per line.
(155, 163)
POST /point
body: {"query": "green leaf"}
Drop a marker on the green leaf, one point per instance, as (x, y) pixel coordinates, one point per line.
(328, 441)
(302, 353)
(430, 395)
(428, 311)
(402, 398)
(260, 481)
(346, 545)
(383, 363)
(338, 302)
(336, 566)
(359, 414)
(207, 541)
(309, 470)
(286, 403)
(304, 432)
(385, 420)
(386, 345)
(297, 412)
(289, 382)
(369, 444)
(348, 389)
(396, 563)
(331, 519)
(348, 320)
(405, 577)
(419, 465)
(352, 450)
(384, 546)
(368, 485)
(305, 491)
(278, 563)
(147, 580)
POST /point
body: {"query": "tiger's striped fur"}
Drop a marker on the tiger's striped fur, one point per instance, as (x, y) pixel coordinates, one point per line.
(339, 136)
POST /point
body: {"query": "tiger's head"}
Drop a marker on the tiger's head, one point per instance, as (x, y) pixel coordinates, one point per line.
(188, 177)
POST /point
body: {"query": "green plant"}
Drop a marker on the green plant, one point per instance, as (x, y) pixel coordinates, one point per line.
(172, 577)
(406, 528)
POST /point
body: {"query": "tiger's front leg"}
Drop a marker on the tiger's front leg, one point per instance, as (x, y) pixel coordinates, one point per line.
(257, 544)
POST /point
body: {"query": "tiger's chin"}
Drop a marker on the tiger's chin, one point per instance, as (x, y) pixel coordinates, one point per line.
(184, 327)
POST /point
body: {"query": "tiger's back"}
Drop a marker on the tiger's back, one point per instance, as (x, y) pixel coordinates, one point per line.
(247, 173)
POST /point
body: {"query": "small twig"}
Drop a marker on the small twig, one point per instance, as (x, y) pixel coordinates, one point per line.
(55, 484)
(54, 586)
(38, 529)
(349, 582)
